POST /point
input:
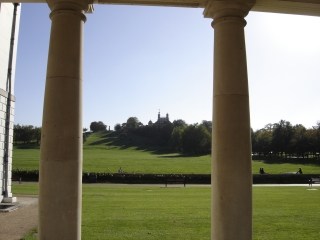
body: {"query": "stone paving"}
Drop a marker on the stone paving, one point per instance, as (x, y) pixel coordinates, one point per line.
(15, 224)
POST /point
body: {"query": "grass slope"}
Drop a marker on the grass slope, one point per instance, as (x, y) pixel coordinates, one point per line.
(152, 212)
(106, 152)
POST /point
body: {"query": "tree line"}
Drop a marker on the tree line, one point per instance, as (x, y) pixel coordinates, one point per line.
(178, 135)
(284, 139)
(277, 139)
(26, 134)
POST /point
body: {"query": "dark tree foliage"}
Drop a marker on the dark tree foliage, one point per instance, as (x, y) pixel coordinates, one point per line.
(165, 133)
(179, 123)
(196, 139)
(117, 127)
(26, 134)
(97, 126)
(282, 139)
(123, 136)
(85, 135)
(207, 125)
(37, 134)
(261, 141)
(149, 131)
(132, 122)
(314, 134)
(300, 140)
(190, 139)
(176, 137)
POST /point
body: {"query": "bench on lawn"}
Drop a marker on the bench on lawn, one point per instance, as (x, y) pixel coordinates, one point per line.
(314, 180)
(175, 181)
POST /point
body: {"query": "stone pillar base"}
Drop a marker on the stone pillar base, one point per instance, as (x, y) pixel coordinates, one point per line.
(9, 200)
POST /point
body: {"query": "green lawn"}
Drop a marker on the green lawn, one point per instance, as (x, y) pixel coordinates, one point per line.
(153, 212)
(105, 152)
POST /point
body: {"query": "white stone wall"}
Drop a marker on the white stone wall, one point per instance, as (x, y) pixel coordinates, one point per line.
(3, 110)
(6, 14)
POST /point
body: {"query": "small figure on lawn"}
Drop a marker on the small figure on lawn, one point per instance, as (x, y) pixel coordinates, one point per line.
(299, 171)
(261, 171)
(120, 170)
(310, 182)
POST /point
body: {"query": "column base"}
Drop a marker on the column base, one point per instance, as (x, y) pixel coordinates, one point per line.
(9, 200)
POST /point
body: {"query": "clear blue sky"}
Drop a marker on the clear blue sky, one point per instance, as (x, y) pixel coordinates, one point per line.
(138, 60)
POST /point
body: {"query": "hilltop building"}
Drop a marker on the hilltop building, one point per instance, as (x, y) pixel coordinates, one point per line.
(161, 120)
(9, 27)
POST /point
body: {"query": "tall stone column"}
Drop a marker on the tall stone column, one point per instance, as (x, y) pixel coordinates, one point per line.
(60, 178)
(231, 216)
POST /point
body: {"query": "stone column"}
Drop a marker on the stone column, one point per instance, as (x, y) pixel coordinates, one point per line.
(60, 181)
(231, 216)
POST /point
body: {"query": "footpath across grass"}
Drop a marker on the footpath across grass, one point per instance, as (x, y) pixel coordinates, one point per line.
(153, 212)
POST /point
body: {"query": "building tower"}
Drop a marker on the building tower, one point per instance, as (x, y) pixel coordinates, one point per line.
(162, 120)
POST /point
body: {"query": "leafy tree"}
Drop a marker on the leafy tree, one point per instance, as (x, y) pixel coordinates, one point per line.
(132, 122)
(26, 134)
(165, 132)
(300, 140)
(151, 131)
(17, 131)
(269, 126)
(97, 126)
(196, 140)
(281, 137)
(37, 134)
(207, 125)
(179, 123)
(261, 141)
(314, 139)
(176, 137)
(123, 136)
(117, 127)
(85, 129)
(253, 139)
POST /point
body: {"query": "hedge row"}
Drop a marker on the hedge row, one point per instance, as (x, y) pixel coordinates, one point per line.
(283, 178)
(27, 175)
(144, 178)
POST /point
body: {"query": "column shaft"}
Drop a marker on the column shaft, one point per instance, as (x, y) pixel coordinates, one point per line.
(231, 143)
(60, 188)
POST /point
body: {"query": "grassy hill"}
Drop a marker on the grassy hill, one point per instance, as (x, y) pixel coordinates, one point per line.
(108, 151)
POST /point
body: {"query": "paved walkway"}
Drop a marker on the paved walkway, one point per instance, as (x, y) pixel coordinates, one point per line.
(15, 224)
